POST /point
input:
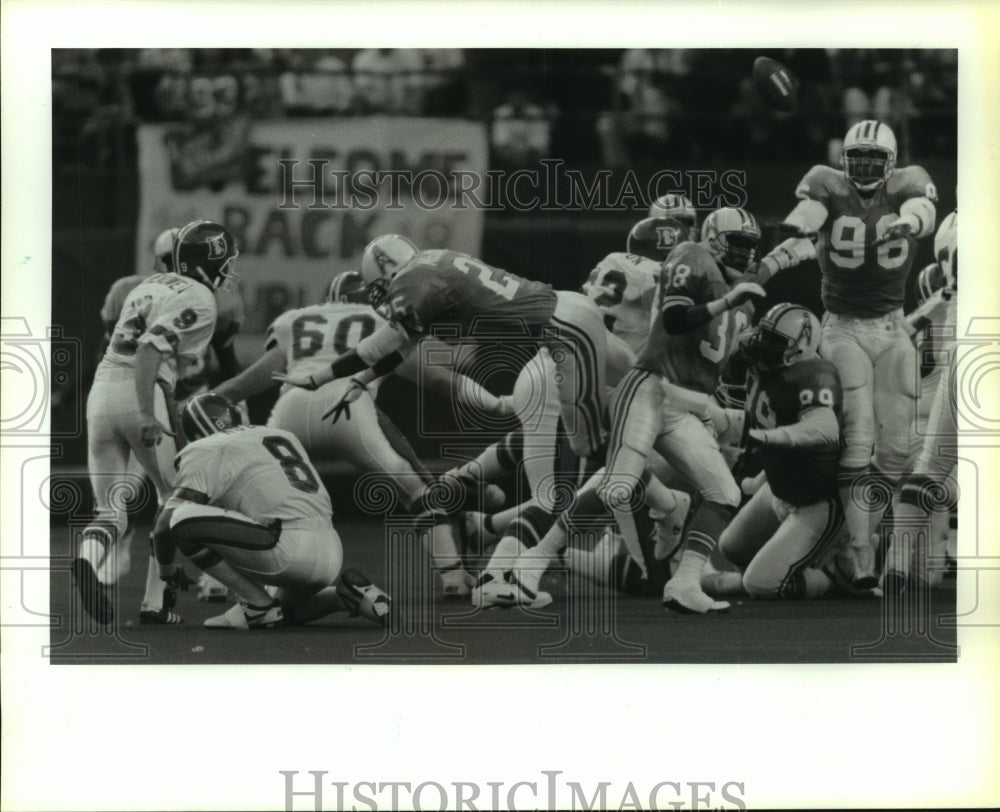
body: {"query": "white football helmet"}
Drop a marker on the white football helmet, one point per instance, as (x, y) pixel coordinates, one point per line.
(869, 154)
(163, 250)
(384, 257)
(787, 334)
(680, 208)
(946, 248)
(731, 235)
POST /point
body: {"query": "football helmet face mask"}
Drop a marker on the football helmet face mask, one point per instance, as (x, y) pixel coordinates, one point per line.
(731, 235)
(208, 413)
(347, 288)
(929, 281)
(655, 237)
(383, 259)
(787, 334)
(163, 250)
(946, 248)
(680, 208)
(869, 154)
(205, 251)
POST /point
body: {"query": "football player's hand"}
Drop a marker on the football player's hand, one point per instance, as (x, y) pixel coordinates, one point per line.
(343, 406)
(743, 292)
(790, 230)
(897, 230)
(152, 430)
(759, 435)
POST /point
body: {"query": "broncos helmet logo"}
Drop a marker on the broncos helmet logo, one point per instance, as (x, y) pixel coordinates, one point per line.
(666, 237)
(217, 246)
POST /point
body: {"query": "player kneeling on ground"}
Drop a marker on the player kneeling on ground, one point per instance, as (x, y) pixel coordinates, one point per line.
(784, 533)
(249, 509)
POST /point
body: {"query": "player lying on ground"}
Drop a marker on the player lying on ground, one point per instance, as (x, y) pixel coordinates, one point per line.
(691, 338)
(868, 218)
(165, 323)
(249, 508)
(308, 340)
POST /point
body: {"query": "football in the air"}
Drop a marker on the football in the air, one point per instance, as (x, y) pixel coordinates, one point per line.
(777, 86)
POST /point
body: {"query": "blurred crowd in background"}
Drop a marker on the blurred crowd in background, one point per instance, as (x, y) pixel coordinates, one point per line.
(616, 108)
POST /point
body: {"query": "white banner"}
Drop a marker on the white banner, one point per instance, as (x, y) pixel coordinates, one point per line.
(304, 196)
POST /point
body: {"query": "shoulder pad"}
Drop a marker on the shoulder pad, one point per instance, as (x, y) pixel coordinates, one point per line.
(820, 182)
(912, 181)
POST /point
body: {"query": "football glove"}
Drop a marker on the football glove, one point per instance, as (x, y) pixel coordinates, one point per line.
(900, 229)
(743, 292)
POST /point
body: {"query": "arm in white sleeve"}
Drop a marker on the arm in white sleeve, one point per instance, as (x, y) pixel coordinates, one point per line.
(808, 215)
(816, 427)
(920, 213)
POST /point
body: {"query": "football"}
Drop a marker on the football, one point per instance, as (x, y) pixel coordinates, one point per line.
(777, 86)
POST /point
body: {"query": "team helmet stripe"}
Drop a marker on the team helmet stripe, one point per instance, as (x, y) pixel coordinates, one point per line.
(201, 418)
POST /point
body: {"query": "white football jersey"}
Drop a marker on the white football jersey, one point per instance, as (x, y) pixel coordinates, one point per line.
(314, 337)
(261, 472)
(173, 313)
(623, 287)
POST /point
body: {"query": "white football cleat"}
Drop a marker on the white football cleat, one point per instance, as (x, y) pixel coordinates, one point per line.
(457, 584)
(506, 594)
(364, 598)
(687, 597)
(210, 590)
(243, 616)
(669, 527)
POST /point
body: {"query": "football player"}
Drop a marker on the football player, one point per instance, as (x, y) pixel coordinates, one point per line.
(463, 299)
(249, 508)
(229, 319)
(662, 404)
(868, 217)
(623, 284)
(929, 493)
(782, 536)
(166, 321)
(308, 340)
(218, 362)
